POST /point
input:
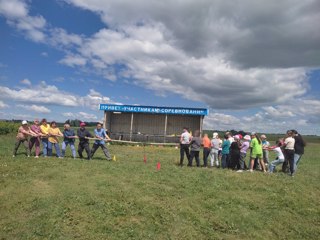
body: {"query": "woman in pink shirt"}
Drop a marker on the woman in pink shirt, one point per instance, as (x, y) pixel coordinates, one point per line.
(35, 140)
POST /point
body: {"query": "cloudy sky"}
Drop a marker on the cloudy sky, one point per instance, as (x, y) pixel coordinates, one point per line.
(254, 64)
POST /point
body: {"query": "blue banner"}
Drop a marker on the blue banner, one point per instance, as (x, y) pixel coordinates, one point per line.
(152, 109)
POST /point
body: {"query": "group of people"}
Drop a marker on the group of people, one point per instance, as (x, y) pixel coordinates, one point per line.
(231, 151)
(47, 135)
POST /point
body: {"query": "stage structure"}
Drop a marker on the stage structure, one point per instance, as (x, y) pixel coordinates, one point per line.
(150, 123)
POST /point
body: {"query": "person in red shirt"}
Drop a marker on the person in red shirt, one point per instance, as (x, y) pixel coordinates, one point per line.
(206, 143)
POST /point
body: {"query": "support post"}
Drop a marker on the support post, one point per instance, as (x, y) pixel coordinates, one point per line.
(131, 126)
(165, 128)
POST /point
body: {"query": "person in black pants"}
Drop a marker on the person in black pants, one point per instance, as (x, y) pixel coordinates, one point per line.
(195, 148)
(83, 134)
(289, 152)
(184, 145)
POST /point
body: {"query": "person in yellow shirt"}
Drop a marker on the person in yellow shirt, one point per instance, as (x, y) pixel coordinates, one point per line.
(54, 133)
(44, 128)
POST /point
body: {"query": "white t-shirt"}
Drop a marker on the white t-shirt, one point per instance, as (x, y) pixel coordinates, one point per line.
(185, 138)
(279, 153)
(289, 141)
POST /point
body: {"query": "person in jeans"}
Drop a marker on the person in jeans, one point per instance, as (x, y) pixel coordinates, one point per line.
(102, 136)
(206, 143)
(53, 141)
(215, 145)
(185, 139)
(68, 139)
(45, 134)
(280, 157)
(243, 152)
(83, 135)
(195, 146)
(289, 143)
(299, 145)
(225, 151)
(24, 132)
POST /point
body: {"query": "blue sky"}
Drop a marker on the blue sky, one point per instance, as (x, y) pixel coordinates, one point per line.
(256, 68)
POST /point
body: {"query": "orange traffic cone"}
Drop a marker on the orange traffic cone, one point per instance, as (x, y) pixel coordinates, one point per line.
(158, 166)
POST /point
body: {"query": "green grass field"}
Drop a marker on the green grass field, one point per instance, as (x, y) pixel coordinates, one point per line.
(50, 198)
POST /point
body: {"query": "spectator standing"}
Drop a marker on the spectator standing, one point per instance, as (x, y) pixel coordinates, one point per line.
(265, 152)
(206, 143)
(185, 140)
(214, 153)
(225, 152)
(195, 148)
(243, 152)
(299, 145)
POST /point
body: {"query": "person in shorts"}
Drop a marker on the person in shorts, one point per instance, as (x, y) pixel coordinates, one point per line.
(256, 147)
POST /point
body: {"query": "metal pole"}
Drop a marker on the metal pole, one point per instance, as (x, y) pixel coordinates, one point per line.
(131, 126)
(201, 122)
(165, 128)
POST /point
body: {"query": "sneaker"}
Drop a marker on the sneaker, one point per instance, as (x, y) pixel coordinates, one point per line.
(250, 170)
(36, 157)
(240, 170)
(13, 155)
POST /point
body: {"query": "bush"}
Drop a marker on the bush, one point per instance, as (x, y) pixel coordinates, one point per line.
(8, 127)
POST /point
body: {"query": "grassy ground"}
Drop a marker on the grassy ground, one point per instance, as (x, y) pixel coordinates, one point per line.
(77, 199)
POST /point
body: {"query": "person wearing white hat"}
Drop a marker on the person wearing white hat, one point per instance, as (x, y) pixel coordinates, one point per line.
(24, 132)
(215, 144)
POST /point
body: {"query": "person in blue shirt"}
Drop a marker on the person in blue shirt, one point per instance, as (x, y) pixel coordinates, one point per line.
(68, 139)
(101, 136)
(225, 151)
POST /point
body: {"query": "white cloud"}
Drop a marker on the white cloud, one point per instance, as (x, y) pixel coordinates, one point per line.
(44, 54)
(73, 60)
(26, 81)
(34, 108)
(3, 105)
(88, 116)
(13, 8)
(81, 116)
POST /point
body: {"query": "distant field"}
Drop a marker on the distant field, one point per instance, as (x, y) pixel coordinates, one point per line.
(126, 199)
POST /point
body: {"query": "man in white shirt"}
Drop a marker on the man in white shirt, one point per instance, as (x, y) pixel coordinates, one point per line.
(289, 152)
(185, 140)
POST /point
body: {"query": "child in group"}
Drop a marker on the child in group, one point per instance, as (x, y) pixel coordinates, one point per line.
(54, 133)
(243, 152)
(69, 138)
(24, 132)
(195, 148)
(265, 152)
(280, 157)
(225, 151)
(102, 136)
(256, 147)
(215, 145)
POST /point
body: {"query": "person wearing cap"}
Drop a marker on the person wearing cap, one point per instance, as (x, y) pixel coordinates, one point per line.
(256, 147)
(289, 152)
(44, 127)
(24, 132)
(35, 140)
(83, 135)
(235, 152)
(243, 152)
(265, 152)
(102, 136)
(68, 139)
(185, 140)
(206, 143)
(54, 133)
(215, 145)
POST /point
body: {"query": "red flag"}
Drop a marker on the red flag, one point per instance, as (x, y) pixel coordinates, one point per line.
(145, 159)
(158, 166)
